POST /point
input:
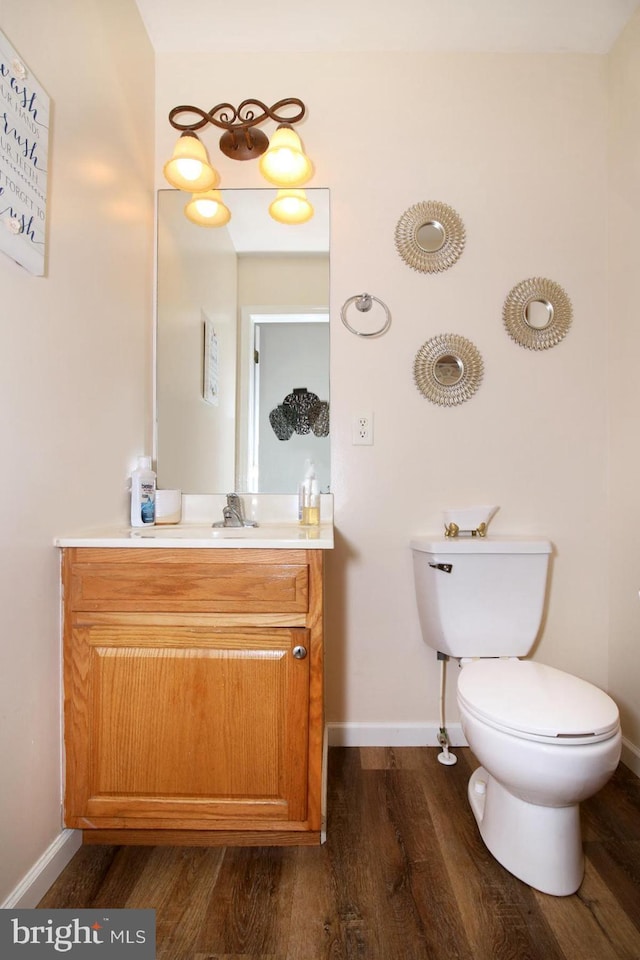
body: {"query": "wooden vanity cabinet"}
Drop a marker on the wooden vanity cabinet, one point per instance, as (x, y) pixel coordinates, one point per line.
(193, 695)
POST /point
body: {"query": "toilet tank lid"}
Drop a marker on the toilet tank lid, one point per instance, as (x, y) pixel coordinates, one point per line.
(480, 545)
(532, 698)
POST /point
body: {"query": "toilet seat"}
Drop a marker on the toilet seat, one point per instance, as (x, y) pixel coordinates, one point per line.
(533, 701)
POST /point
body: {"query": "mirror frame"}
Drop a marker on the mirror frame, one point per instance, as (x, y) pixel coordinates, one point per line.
(434, 351)
(423, 214)
(514, 313)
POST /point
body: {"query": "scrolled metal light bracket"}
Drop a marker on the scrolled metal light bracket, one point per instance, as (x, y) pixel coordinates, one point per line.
(241, 139)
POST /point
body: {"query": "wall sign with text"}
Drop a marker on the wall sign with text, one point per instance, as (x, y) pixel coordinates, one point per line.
(24, 145)
(211, 379)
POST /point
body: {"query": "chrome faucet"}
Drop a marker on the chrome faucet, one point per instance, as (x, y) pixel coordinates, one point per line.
(233, 514)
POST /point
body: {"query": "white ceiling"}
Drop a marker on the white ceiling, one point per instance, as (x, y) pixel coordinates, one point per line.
(587, 26)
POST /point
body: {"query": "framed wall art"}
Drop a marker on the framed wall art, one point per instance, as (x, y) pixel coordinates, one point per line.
(24, 148)
(210, 376)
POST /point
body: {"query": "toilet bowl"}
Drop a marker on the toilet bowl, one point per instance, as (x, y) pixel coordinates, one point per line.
(546, 740)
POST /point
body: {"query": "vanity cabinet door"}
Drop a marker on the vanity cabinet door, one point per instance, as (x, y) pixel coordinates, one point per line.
(175, 727)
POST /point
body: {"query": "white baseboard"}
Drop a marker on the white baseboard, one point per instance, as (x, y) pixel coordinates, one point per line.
(45, 871)
(426, 735)
(631, 756)
(391, 735)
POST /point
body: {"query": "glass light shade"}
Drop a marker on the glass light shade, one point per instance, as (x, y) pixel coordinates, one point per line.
(189, 167)
(207, 209)
(285, 164)
(291, 206)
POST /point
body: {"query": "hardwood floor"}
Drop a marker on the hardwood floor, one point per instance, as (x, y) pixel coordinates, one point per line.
(403, 876)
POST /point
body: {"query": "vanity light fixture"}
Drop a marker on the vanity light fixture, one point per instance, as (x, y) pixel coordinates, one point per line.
(207, 209)
(283, 162)
(291, 206)
(189, 167)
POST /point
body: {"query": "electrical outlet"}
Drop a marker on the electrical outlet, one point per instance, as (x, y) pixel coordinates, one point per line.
(362, 429)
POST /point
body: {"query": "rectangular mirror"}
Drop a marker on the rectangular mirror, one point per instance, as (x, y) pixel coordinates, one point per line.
(242, 347)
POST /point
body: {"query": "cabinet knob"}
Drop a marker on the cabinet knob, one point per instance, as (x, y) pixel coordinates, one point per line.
(299, 652)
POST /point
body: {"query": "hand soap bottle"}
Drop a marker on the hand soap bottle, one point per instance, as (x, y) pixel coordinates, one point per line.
(309, 497)
(143, 494)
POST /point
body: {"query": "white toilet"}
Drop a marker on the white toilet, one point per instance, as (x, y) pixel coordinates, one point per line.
(546, 739)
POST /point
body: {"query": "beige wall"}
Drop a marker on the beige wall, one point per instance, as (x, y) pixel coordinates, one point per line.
(518, 146)
(75, 387)
(624, 384)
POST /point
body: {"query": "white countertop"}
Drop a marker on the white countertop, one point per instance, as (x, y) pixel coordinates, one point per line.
(277, 529)
(268, 536)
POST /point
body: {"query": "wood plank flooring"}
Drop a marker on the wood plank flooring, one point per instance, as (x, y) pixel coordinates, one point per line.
(403, 876)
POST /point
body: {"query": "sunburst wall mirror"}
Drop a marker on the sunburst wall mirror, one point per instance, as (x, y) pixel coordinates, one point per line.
(448, 369)
(537, 313)
(430, 236)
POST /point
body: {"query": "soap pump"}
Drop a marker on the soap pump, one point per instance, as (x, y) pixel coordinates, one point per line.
(309, 497)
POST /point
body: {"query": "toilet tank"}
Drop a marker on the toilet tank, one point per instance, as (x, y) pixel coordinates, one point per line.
(480, 597)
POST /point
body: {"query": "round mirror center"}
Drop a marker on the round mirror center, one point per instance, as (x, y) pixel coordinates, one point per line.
(448, 370)
(538, 314)
(430, 236)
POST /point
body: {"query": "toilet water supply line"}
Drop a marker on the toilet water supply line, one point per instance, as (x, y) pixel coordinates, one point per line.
(443, 737)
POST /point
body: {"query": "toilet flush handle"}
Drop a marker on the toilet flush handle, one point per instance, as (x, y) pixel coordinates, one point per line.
(445, 567)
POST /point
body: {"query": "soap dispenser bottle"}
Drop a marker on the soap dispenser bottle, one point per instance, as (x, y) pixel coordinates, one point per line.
(143, 494)
(309, 497)
(313, 509)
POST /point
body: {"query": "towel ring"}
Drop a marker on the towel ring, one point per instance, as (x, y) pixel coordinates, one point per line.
(364, 302)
